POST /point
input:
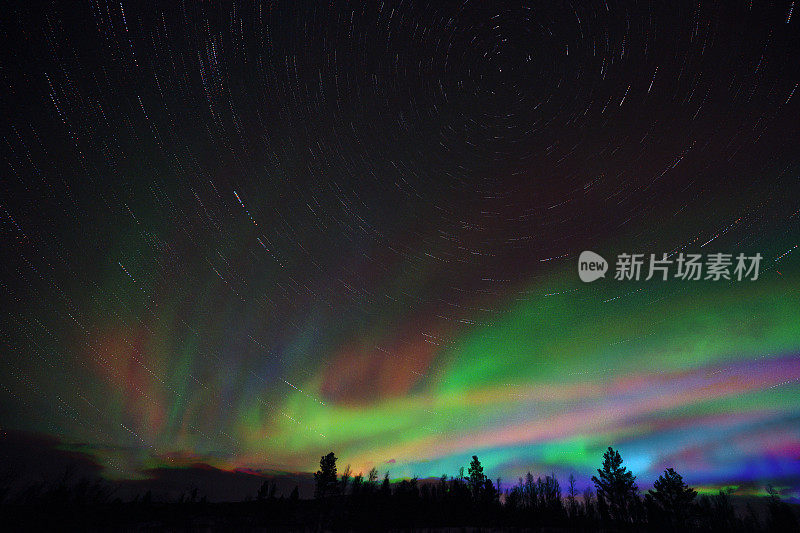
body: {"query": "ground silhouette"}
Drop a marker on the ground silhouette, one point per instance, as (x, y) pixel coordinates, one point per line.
(355, 502)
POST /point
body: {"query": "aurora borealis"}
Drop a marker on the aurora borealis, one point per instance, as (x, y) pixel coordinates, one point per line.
(247, 234)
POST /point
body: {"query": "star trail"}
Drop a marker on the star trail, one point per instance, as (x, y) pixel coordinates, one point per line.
(246, 234)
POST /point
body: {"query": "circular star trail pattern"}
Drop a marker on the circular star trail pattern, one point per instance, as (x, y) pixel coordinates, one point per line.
(247, 234)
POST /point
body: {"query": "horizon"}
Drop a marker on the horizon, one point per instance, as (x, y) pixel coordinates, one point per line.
(40, 459)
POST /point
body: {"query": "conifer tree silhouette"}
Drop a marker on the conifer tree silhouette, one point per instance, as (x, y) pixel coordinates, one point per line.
(617, 493)
(476, 479)
(670, 500)
(325, 478)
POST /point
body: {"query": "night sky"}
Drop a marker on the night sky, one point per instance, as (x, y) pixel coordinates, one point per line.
(248, 234)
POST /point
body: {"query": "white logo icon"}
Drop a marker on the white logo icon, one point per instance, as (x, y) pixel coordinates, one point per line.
(591, 266)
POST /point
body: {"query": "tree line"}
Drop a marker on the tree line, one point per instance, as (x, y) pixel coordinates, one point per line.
(471, 498)
(357, 502)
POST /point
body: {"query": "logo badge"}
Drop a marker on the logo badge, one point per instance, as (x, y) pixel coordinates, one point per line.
(591, 266)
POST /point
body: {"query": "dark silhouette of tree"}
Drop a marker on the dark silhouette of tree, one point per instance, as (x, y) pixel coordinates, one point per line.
(549, 492)
(372, 478)
(589, 504)
(266, 491)
(476, 479)
(358, 484)
(442, 487)
(386, 487)
(529, 492)
(263, 490)
(617, 493)
(325, 479)
(551, 508)
(572, 497)
(345, 479)
(780, 517)
(671, 500)
(514, 499)
(488, 494)
(718, 513)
